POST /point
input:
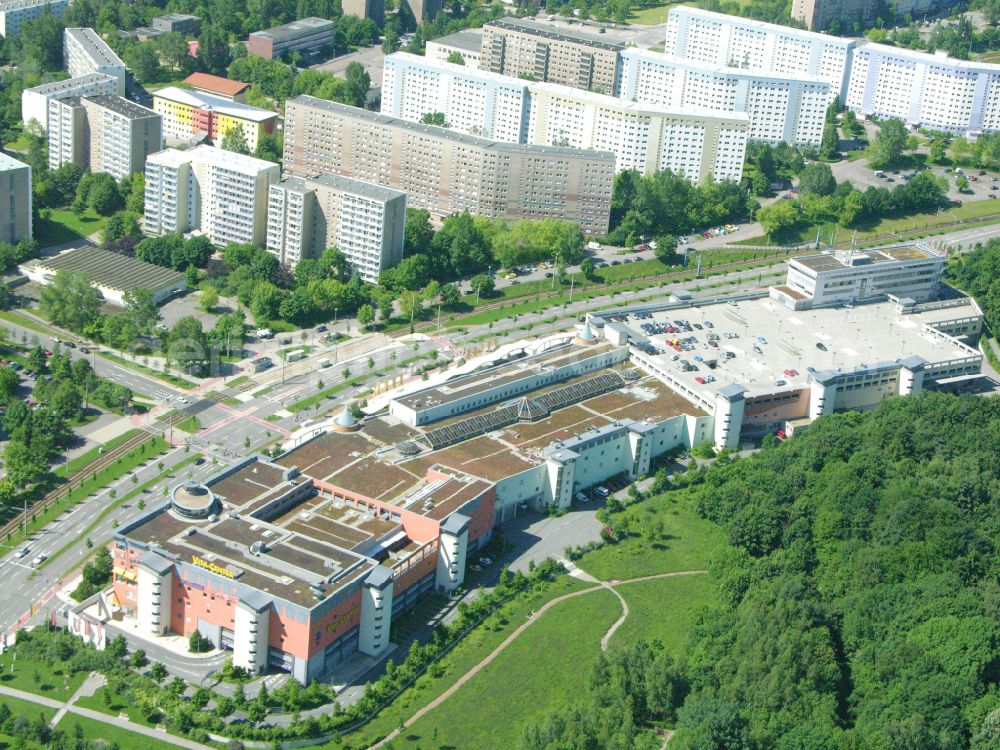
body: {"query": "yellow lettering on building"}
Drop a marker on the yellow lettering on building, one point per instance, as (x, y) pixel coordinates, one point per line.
(210, 566)
(349, 615)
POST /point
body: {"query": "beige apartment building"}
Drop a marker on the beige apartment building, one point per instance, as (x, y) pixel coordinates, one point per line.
(103, 134)
(819, 15)
(221, 193)
(15, 200)
(362, 220)
(446, 172)
(527, 49)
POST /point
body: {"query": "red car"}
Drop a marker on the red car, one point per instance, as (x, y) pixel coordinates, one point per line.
(780, 434)
(790, 373)
(700, 380)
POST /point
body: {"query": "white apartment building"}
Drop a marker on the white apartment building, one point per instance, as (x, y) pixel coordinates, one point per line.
(699, 143)
(923, 89)
(15, 13)
(102, 134)
(363, 220)
(85, 52)
(781, 107)
(474, 101)
(715, 38)
(222, 193)
(35, 101)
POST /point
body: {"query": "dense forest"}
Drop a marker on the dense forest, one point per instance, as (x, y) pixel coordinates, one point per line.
(978, 274)
(857, 602)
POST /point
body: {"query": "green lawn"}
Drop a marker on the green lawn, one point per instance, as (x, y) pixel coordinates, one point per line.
(36, 677)
(119, 704)
(688, 542)
(27, 709)
(190, 424)
(75, 464)
(665, 610)
(19, 707)
(545, 668)
(459, 660)
(21, 144)
(650, 16)
(56, 226)
(96, 730)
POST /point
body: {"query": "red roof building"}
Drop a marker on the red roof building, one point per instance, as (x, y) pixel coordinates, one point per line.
(234, 91)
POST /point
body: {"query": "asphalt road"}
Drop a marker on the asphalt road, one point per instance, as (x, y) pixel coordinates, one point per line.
(25, 586)
(140, 384)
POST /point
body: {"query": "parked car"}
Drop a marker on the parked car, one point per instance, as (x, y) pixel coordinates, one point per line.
(791, 373)
(821, 346)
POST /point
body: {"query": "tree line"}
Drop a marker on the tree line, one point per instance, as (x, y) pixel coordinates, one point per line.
(37, 435)
(822, 199)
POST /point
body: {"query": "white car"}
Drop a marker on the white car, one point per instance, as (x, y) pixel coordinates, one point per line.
(39, 560)
(182, 400)
(22, 553)
(485, 561)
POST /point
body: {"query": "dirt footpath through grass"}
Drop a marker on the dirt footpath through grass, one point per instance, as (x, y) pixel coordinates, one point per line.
(532, 618)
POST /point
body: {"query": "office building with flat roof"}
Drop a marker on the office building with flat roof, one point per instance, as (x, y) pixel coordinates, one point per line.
(702, 144)
(222, 193)
(85, 52)
(363, 220)
(522, 47)
(15, 13)
(177, 23)
(772, 362)
(15, 200)
(306, 36)
(447, 172)
(781, 107)
(35, 101)
(912, 271)
(103, 134)
(934, 91)
(191, 115)
(468, 43)
(731, 41)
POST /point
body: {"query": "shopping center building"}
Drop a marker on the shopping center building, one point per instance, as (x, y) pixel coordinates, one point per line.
(301, 561)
